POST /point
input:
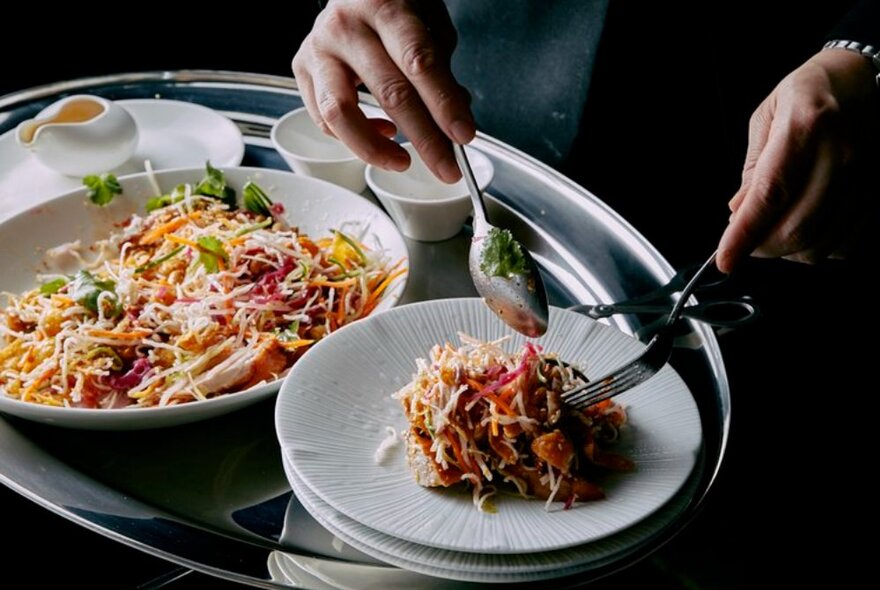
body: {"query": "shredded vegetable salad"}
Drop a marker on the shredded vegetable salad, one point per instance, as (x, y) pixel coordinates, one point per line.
(481, 415)
(192, 300)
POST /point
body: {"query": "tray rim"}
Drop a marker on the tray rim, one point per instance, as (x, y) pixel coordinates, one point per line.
(660, 269)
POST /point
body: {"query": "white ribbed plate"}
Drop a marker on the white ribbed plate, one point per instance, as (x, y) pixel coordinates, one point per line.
(483, 567)
(312, 205)
(335, 404)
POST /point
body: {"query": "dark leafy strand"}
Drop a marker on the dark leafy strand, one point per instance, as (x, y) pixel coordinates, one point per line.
(102, 188)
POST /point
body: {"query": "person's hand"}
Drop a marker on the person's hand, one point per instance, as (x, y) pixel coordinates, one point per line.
(796, 200)
(400, 50)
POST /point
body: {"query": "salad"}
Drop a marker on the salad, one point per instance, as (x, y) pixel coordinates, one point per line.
(482, 416)
(195, 298)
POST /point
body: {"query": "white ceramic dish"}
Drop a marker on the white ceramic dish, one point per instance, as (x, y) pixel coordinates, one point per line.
(479, 567)
(80, 134)
(171, 134)
(311, 152)
(314, 206)
(423, 207)
(330, 421)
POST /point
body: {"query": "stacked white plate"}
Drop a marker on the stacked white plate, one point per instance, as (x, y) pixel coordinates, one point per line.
(335, 408)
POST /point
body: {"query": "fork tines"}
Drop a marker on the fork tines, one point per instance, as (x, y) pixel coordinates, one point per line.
(609, 386)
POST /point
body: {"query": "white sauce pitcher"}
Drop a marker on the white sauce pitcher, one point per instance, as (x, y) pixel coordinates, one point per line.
(80, 135)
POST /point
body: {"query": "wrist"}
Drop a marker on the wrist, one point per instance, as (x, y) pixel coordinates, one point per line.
(852, 54)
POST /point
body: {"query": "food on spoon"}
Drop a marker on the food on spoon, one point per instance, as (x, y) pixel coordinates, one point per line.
(483, 416)
(195, 299)
(502, 255)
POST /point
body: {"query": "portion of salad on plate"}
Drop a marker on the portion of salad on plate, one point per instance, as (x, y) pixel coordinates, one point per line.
(483, 416)
(196, 298)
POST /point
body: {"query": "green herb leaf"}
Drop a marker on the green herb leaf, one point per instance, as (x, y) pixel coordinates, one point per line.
(214, 185)
(210, 252)
(85, 290)
(256, 200)
(102, 188)
(502, 255)
(53, 286)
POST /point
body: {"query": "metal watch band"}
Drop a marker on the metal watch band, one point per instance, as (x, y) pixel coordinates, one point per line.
(869, 51)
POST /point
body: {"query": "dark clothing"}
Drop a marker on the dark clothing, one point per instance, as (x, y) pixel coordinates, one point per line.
(541, 53)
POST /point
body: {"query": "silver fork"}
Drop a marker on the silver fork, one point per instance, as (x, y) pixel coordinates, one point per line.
(644, 366)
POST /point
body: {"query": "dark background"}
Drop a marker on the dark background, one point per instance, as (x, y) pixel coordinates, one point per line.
(665, 133)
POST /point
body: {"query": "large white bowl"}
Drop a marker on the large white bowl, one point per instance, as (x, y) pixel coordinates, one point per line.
(314, 206)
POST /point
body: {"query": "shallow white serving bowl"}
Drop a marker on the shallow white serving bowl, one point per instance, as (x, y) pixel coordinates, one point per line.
(314, 206)
(423, 207)
(311, 152)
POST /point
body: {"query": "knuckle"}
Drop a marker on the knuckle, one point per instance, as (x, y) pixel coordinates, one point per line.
(336, 22)
(395, 95)
(418, 59)
(333, 109)
(430, 146)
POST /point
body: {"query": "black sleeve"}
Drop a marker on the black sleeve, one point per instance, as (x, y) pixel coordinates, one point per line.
(861, 24)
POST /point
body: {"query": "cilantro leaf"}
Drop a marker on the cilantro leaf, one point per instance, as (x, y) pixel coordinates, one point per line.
(214, 185)
(53, 286)
(86, 289)
(102, 188)
(211, 252)
(502, 255)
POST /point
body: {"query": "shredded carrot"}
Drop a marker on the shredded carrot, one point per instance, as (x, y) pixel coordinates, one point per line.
(499, 402)
(308, 245)
(178, 240)
(374, 295)
(333, 284)
(340, 309)
(494, 426)
(39, 380)
(474, 384)
(118, 335)
(157, 232)
(456, 449)
(294, 344)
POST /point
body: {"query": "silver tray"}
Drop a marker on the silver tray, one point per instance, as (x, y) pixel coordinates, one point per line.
(213, 496)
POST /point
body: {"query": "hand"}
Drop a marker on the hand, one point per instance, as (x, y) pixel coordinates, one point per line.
(796, 200)
(400, 50)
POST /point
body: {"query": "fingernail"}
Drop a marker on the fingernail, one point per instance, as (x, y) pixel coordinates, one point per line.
(462, 131)
(449, 171)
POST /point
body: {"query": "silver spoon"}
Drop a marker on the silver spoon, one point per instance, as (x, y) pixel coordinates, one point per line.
(517, 297)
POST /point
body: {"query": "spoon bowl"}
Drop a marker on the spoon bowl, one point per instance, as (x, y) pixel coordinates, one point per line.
(503, 271)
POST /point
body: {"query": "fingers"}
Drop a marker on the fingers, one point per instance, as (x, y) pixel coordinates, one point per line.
(759, 131)
(804, 230)
(775, 181)
(401, 51)
(336, 102)
(426, 66)
(401, 101)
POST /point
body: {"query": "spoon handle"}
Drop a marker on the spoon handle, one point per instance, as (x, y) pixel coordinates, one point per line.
(480, 217)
